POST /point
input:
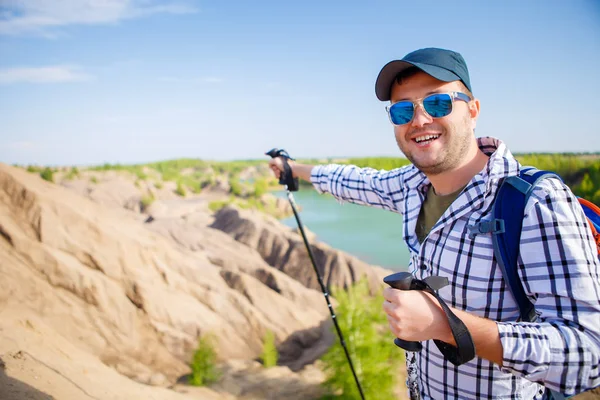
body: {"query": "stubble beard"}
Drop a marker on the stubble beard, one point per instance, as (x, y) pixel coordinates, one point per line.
(450, 156)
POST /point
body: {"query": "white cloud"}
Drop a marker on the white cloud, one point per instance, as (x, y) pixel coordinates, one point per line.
(40, 17)
(51, 74)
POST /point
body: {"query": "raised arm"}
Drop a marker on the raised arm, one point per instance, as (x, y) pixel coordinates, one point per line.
(364, 186)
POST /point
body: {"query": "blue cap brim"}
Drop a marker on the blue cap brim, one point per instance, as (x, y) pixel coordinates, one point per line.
(388, 73)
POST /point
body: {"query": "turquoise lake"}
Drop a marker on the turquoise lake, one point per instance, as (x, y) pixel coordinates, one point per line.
(371, 234)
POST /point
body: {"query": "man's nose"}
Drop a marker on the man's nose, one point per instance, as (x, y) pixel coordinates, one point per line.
(421, 118)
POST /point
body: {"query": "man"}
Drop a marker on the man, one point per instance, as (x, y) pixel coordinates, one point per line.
(451, 186)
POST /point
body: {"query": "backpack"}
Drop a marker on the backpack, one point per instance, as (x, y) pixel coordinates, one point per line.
(509, 209)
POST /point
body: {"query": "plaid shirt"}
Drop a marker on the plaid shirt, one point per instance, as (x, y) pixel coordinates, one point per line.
(558, 266)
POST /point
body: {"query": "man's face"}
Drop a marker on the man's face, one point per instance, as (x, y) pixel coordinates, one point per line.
(453, 134)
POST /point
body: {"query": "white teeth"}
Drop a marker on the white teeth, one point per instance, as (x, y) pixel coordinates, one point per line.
(428, 137)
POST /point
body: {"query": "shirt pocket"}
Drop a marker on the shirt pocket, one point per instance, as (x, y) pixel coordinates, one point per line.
(468, 262)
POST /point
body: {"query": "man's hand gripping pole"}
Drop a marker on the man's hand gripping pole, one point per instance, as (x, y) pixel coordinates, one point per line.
(286, 177)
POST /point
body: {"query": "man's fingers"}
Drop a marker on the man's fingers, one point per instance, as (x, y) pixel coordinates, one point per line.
(392, 323)
(275, 170)
(392, 295)
(276, 166)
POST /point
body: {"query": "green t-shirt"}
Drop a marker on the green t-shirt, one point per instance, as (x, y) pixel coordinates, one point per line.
(432, 209)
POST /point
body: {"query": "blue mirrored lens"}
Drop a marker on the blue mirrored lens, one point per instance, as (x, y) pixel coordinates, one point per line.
(401, 112)
(438, 105)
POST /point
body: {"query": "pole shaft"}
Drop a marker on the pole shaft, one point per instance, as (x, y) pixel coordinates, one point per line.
(324, 290)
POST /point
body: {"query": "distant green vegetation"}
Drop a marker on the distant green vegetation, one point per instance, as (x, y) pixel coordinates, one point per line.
(376, 359)
(46, 173)
(267, 205)
(189, 174)
(580, 171)
(386, 163)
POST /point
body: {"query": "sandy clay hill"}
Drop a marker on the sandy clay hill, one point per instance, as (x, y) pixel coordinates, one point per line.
(98, 301)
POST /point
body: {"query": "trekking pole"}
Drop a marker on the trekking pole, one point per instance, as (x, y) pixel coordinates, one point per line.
(286, 178)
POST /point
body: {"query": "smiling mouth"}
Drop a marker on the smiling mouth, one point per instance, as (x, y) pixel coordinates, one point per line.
(426, 139)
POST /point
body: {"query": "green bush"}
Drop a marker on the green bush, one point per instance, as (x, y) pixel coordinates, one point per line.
(158, 185)
(216, 205)
(195, 188)
(204, 369)
(93, 179)
(140, 174)
(191, 183)
(73, 173)
(260, 187)
(235, 187)
(375, 358)
(269, 354)
(180, 190)
(170, 175)
(47, 174)
(146, 201)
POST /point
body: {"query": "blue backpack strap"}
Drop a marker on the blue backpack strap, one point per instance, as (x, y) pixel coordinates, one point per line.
(509, 210)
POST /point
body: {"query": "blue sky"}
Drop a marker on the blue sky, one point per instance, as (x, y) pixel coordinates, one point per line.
(89, 81)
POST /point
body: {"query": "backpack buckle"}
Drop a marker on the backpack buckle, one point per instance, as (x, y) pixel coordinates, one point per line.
(494, 226)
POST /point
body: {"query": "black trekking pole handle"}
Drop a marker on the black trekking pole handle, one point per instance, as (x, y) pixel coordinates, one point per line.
(464, 351)
(286, 178)
(403, 281)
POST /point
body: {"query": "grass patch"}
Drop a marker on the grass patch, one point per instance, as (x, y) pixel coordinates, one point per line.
(180, 191)
(73, 173)
(235, 186)
(216, 205)
(375, 357)
(269, 354)
(203, 365)
(147, 201)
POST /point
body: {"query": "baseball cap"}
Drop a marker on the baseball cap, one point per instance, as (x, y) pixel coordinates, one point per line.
(442, 64)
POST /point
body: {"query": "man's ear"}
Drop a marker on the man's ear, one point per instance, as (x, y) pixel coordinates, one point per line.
(474, 109)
